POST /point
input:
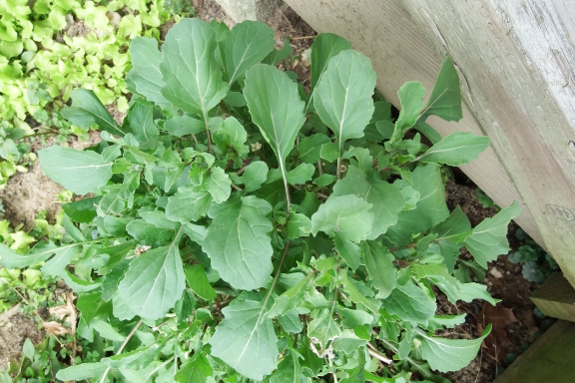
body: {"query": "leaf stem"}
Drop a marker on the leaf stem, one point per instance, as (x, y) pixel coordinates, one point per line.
(286, 187)
(269, 294)
(130, 335)
(375, 353)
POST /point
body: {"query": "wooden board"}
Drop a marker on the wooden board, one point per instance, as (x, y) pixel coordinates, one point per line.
(556, 298)
(548, 360)
(516, 61)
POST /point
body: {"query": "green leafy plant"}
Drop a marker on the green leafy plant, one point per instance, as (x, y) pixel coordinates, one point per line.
(241, 229)
(40, 63)
(537, 264)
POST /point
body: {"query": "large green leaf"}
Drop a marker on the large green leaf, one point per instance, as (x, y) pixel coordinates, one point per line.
(192, 77)
(276, 108)
(154, 282)
(87, 109)
(347, 216)
(78, 171)
(410, 303)
(380, 267)
(145, 77)
(82, 371)
(457, 223)
(386, 199)
(324, 47)
(449, 354)
(238, 242)
(246, 339)
(489, 238)
(445, 99)
(41, 252)
(245, 45)
(342, 97)
(456, 149)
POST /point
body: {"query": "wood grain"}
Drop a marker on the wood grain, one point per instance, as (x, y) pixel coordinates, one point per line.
(556, 298)
(548, 360)
(516, 63)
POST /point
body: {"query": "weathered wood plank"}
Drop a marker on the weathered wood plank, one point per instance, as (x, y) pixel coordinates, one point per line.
(516, 61)
(556, 298)
(550, 359)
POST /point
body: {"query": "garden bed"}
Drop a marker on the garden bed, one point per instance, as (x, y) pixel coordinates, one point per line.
(29, 193)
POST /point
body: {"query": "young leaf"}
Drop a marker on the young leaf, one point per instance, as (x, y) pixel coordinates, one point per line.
(197, 369)
(489, 238)
(154, 282)
(87, 109)
(219, 184)
(324, 47)
(246, 339)
(190, 203)
(410, 302)
(342, 98)
(198, 280)
(238, 242)
(192, 77)
(276, 108)
(449, 354)
(290, 299)
(430, 209)
(411, 98)
(235, 134)
(347, 216)
(323, 329)
(386, 199)
(79, 172)
(347, 250)
(301, 174)
(289, 369)
(145, 77)
(445, 99)
(82, 211)
(28, 349)
(456, 149)
(141, 117)
(246, 44)
(380, 268)
(254, 175)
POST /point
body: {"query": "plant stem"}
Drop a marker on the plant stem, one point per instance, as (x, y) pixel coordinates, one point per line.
(269, 294)
(130, 335)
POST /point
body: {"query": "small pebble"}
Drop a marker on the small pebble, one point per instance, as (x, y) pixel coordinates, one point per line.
(496, 273)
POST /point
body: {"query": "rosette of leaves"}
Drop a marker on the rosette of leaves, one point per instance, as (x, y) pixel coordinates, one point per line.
(239, 227)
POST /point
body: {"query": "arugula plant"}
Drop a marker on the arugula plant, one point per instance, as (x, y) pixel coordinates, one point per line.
(241, 229)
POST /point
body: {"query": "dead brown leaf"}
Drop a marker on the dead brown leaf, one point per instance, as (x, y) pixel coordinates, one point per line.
(497, 342)
(55, 328)
(67, 311)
